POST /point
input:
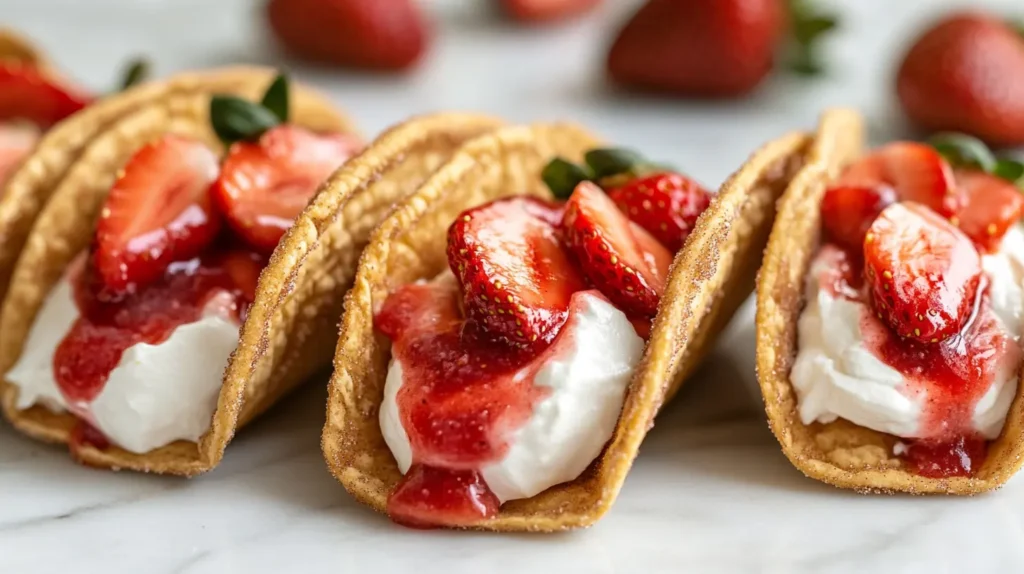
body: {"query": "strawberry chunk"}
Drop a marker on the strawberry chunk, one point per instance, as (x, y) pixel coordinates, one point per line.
(848, 210)
(619, 257)
(26, 93)
(922, 271)
(667, 205)
(991, 206)
(244, 268)
(16, 141)
(265, 185)
(915, 171)
(158, 211)
(516, 278)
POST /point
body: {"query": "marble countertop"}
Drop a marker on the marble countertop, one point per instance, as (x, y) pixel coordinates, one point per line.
(710, 492)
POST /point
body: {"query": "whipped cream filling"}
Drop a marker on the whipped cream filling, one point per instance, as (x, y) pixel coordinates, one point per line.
(157, 394)
(569, 427)
(836, 376)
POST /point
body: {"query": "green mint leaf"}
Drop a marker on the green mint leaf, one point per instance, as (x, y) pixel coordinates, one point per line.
(234, 119)
(964, 150)
(136, 73)
(1011, 170)
(276, 98)
(607, 162)
(562, 177)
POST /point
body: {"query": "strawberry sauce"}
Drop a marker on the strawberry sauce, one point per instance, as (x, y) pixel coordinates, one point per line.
(951, 375)
(460, 400)
(108, 326)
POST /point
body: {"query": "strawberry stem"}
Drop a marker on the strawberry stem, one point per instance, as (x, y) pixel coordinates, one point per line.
(135, 73)
(563, 176)
(808, 27)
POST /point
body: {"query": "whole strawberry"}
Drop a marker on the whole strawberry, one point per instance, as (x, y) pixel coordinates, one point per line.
(966, 73)
(711, 47)
(375, 34)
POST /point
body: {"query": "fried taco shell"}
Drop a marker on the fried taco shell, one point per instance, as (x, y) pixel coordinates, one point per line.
(285, 337)
(839, 453)
(15, 47)
(86, 149)
(711, 276)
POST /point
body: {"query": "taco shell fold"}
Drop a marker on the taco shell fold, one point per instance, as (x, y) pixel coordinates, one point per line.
(285, 337)
(710, 278)
(15, 47)
(840, 453)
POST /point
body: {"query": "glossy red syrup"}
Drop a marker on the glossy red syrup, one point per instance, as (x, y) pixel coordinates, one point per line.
(107, 327)
(84, 434)
(953, 374)
(460, 400)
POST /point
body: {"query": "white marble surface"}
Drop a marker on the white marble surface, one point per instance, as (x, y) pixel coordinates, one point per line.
(711, 491)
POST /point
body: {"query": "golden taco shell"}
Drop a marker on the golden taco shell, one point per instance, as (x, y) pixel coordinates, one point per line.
(73, 152)
(14, 47)
(287, 335)
(840, 453)
(711, 276)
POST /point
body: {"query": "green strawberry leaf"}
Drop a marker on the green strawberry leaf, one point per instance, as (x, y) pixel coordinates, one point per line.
(562, 177)
(964, 150)
(276, 98)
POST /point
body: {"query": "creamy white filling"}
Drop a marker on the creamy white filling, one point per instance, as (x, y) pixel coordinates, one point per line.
(157, 394)
(569, 427)
(836, 376)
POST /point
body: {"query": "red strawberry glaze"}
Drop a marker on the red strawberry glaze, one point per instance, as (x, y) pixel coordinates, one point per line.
(106, 328)
(460, 400)
(953, 374)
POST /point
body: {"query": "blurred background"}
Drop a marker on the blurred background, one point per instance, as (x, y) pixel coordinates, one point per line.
(711, 491)
(480, 59)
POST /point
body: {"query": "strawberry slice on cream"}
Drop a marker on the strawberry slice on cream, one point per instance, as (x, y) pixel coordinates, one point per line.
(915, 330)
(508, 375)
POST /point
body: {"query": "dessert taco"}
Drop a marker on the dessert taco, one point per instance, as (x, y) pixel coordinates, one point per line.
(164, 298)
(503, 352)
(37, 145)
(890, 315)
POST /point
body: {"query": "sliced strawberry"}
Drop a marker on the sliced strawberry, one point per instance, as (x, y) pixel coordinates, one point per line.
(667, 205)
(265, 185)
(916, 171)
(244, 268)
(157, 212)
(848, 210)
(515, 276)
(991, 206)
(619, 257)
(16, 141)
(923, 272)
(26, 93)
